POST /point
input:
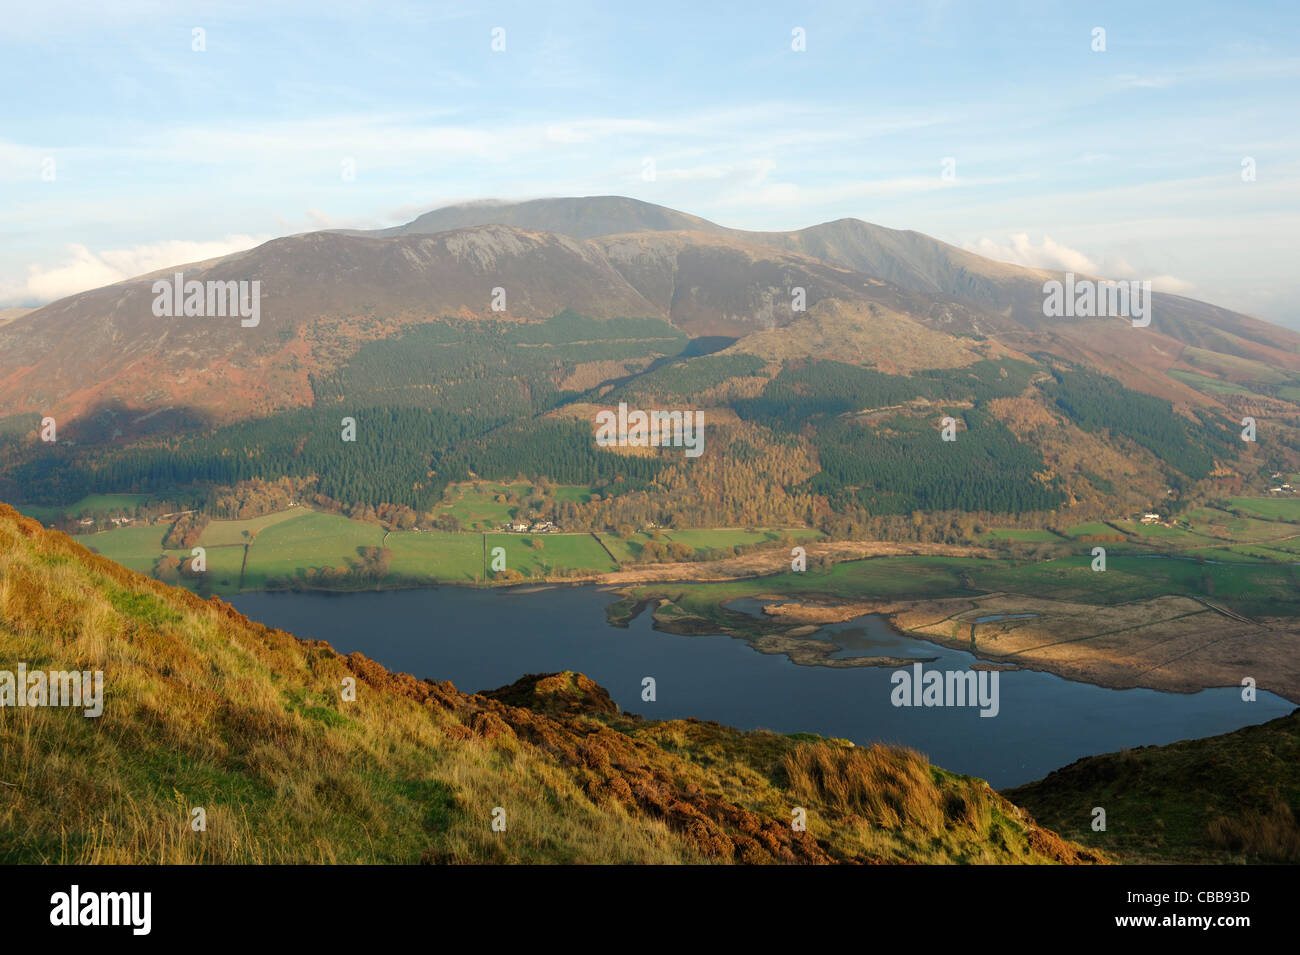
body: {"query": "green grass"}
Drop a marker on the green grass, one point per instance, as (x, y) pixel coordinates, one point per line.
(1253, 588)
(1249, 589)
(1269, 508)
(221, 533)
(1225, 799)
(1019, 534)
(479, 509)
(1212, 386)
(571, 492)
(625, 549)
(134, 547)
(307, 540)
(727, 537)
(1179, 537)
(288, 545)
(437, 555)
(1215, 522)
(91, 502)
(559, 552)
(1092, 529)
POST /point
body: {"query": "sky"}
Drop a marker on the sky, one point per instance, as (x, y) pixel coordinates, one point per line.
(998, 127)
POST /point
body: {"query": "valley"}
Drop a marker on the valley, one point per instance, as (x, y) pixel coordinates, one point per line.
(1180, 606)
(895, 458)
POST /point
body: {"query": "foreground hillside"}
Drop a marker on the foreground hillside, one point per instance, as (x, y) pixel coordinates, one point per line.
(1230, 798)
(205, 709)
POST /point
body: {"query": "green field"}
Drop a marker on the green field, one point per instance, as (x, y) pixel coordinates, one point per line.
(1269, 508)
(437, 555)
(308, 540)
(478, 508)
(290, 542)
(625, 549)
(225, 533)
(1170, 537)
(558, 552)
(1259, 568)
(1019, 534)
(1092, 529)
(704, 540)
(728, 537)
(136, 548)
(91, 502)
(1248, 588)
(1212, 386)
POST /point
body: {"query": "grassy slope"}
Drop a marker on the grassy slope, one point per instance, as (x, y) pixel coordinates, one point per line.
(1230, 798)
(206, 708)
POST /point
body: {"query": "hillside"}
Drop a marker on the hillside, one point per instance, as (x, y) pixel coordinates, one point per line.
(827, 360)
(1230, 798)
(1006, 297)
(203, 708)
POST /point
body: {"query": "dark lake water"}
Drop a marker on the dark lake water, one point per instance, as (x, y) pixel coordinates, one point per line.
(482, 639)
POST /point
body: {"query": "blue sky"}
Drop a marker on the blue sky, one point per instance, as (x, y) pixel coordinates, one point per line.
(1125, 163)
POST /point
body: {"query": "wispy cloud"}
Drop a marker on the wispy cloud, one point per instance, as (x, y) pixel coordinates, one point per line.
(81, 268)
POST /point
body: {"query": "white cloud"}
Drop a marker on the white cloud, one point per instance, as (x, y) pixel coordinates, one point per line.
(1020, 249)
(82, 268)
(1171, 284)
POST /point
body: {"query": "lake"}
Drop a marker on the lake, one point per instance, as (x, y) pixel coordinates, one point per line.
(482, 639)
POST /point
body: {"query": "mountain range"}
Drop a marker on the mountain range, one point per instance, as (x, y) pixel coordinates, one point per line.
(741, 314)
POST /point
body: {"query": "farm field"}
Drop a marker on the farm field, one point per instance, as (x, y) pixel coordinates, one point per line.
(91, 502)
(136, 548)
(1252, 576)
(478, 508)
(1269, 508)
(625, 548)
(436, 555)
(223, 533)
(1019, 534)
(1091, 529)
(708, 539)
(1176, 537)
(539, 554)
(308, 540)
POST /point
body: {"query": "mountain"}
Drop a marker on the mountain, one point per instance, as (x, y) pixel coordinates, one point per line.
(324, 294)
(909, 260)
(223, 741)
(7, 315)
(584, 218)
(321, 295)
(1233, 798)
(1000, 299)
(476, 338)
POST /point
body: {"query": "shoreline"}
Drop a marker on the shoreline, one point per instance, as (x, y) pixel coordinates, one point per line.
(1043, 644)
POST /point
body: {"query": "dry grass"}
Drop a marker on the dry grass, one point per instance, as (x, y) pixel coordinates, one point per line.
(204, 708)
(1272, 835)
